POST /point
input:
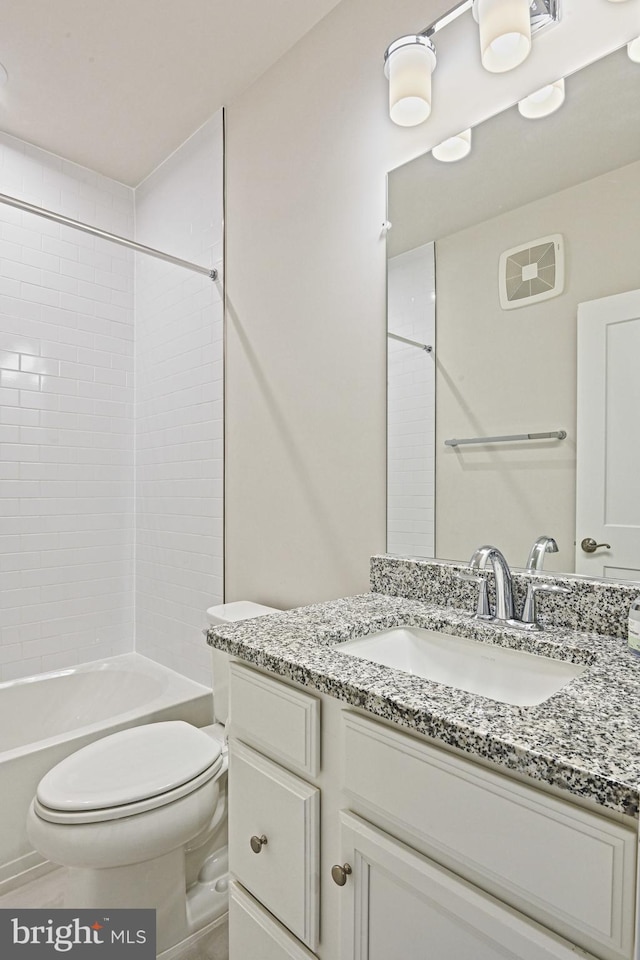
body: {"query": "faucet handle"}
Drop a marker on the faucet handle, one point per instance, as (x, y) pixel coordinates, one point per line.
(482, 607)
(530, 613)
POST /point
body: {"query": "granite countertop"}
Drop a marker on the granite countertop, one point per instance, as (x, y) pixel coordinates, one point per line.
(584, 740)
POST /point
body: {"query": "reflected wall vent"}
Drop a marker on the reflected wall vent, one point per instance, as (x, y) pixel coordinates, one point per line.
(532, 272)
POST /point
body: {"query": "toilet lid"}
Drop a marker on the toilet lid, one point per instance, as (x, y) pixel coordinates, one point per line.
(129, 766)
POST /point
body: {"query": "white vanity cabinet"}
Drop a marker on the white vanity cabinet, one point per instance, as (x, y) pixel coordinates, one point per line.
(445, 858)
(401, 904)
(255, 934)
(510, 856)
(274, 818)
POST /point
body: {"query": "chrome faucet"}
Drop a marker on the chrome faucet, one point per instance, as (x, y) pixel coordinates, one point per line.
(536, 555)
(505, 609)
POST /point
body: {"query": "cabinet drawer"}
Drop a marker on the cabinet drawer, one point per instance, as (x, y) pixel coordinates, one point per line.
(267, 801)
(255, 935)
(280, 721)
(564, 866)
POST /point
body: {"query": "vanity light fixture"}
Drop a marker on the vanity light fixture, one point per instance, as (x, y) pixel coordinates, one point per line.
(408, 65)
(543, 102)
(455, 148)
(505, 33)
(506, 27)
(633, 49)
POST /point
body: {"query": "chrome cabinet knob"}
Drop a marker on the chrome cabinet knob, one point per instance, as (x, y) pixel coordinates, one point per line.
(590, 546)
(257, 843)
(339, 873)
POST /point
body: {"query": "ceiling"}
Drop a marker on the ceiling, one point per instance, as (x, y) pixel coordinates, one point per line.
(118, 86)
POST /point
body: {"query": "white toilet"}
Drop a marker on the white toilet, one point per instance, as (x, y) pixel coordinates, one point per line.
(139, 817)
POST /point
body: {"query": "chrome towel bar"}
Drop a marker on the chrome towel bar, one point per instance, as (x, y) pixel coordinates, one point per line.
(550, 435)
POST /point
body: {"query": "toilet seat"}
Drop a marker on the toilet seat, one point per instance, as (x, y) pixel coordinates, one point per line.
(129, 772)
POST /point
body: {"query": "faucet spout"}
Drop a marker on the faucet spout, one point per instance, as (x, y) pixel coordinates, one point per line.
(541, 546)
(505, 609)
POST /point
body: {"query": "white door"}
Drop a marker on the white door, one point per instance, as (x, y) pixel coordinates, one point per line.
(608, 436)
(398, 904)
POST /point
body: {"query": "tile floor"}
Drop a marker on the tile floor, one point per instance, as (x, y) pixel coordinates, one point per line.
(212, 943)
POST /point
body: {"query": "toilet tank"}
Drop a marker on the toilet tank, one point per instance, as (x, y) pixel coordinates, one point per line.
(217, 616)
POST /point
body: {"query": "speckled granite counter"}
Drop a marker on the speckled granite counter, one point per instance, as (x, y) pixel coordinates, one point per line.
(584, 740)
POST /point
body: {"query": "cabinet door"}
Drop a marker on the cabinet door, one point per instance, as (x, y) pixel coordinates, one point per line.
(270, 804)
(399, 904)
(255, 935)
(565, 867)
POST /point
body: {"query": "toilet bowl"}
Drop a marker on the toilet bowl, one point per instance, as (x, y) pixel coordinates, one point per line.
(120, 812)
(139, 817)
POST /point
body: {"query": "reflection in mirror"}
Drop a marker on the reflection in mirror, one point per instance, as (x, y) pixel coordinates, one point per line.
(496, 372)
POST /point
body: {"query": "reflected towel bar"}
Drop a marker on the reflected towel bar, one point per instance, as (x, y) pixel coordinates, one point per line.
(412, 343)
(551, 435)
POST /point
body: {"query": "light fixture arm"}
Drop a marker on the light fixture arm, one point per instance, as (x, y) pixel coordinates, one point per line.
(456, 11)
(542, 12)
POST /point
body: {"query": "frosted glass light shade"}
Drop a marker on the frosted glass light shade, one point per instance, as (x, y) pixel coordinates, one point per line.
(455, 148)
(543, 102)
(633, 49)
(505, 33)
(409, 63)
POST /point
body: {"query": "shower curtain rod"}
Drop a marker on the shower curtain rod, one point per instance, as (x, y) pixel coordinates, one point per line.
(412, 343)
(104, 235)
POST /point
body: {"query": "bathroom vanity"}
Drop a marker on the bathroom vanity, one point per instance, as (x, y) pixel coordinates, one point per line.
(375, 814)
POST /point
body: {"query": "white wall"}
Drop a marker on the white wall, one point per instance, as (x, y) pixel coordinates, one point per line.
(66, 418)
(411, 399)
(308, 147)
(179, 408)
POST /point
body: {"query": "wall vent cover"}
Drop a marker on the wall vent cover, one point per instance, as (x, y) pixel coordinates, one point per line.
(532, 272)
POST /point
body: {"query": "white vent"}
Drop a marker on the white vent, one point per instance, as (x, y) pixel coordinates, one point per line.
(532, 272)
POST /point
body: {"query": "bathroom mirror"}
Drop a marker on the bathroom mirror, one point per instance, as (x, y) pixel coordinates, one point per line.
(498, 372)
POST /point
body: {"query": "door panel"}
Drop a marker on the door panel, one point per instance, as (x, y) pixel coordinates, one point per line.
(608, 427)
(397, 903)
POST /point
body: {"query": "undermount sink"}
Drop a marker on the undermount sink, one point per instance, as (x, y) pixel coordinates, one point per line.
(500, 673)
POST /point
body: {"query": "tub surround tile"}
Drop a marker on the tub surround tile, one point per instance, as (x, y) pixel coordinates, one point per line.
(584, 740)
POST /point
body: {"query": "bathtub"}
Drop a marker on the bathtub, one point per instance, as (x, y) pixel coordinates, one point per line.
(46, 717)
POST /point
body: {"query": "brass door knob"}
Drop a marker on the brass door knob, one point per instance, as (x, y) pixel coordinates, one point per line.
(339, 873)
(257, 843)
(590, 546)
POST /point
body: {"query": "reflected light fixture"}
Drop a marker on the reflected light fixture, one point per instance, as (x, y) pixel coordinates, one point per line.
(543, 102)
(455, 148)
(408, 65)
(633, 49)
(505, 33)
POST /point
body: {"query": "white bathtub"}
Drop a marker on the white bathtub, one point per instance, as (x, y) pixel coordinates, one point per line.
(47, 717)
